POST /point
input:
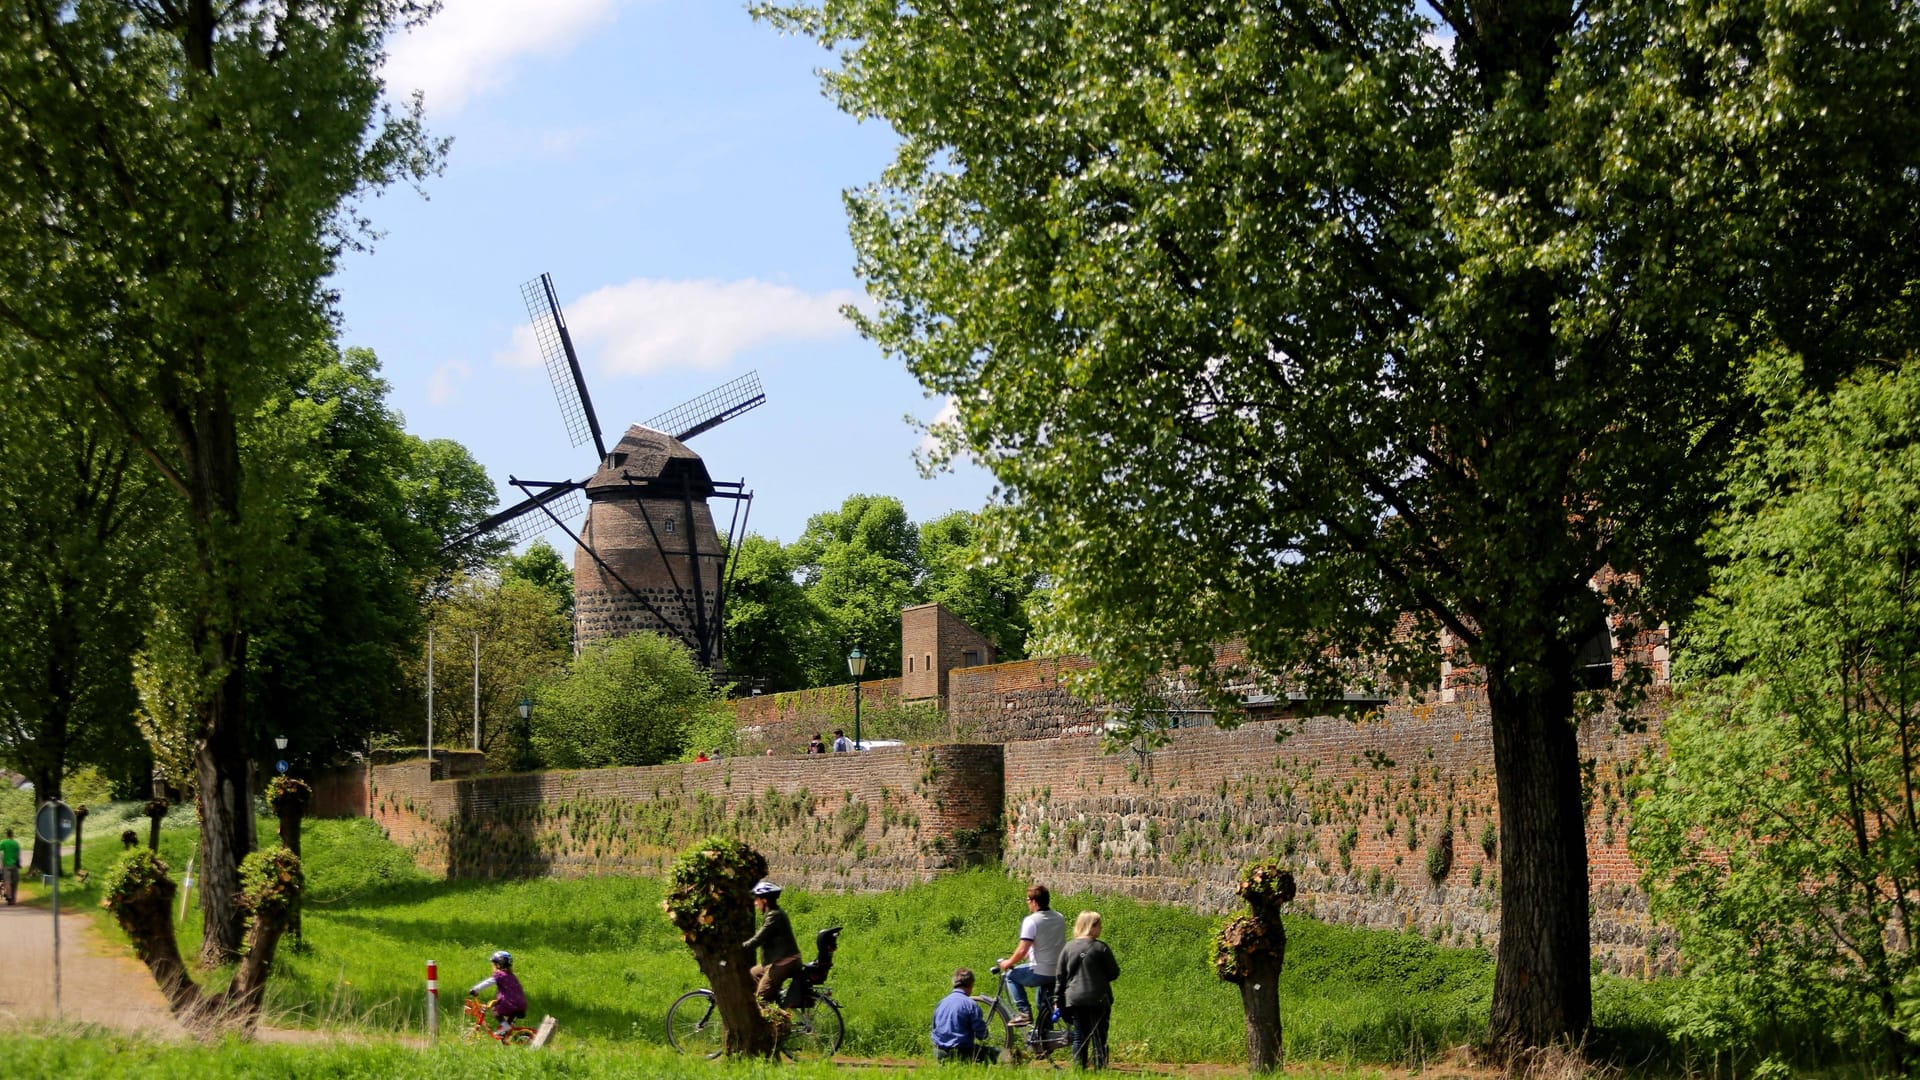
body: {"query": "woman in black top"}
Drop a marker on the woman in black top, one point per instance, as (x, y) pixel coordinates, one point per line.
(1087, 971)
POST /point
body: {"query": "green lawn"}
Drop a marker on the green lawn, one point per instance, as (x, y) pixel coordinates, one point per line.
(599, 954)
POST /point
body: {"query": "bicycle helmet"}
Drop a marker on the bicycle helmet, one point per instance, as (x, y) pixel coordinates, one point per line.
(502, 958)
(767, 889)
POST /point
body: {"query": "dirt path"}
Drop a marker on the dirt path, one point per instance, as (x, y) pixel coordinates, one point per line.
(98, 985)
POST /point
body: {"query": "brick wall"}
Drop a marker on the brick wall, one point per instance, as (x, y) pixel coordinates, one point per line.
(784, 722)
(876, 820)
(1021, 700)
(1174, 825)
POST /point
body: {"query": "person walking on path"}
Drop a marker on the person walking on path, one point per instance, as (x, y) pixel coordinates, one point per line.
(841, 744)
(10, 867)
(1087, 971)
(959, 1028)
(1042, 933)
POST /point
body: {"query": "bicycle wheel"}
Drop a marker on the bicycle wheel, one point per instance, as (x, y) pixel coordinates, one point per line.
(816, 1032)
(693, 1025)
(520, 1036)
(1011, 1040)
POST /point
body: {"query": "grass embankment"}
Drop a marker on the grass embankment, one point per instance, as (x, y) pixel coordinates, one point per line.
(101, 1057)
(599, 954)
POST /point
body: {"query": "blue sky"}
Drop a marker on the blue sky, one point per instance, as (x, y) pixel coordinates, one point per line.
(675, 168)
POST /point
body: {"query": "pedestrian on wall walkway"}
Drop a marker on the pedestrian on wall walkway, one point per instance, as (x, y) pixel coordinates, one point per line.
(841, 744)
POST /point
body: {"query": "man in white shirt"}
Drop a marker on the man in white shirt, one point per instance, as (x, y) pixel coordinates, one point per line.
(1042, 935)
(841, 744)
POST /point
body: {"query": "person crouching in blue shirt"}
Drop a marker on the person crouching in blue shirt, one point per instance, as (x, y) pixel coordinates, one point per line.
(959, 1028)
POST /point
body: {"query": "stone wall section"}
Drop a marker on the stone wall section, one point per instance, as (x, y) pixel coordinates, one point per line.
(1017, 701)
(1355, 808)
(882, 819)
(650, 543)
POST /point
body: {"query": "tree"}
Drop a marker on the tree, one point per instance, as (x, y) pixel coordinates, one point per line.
(773, 629)
(359, 545)
(710, 901)
(542, 567)
(183, 178)
(986, 589)
(634, 701)
(1284, 321)
(525, 640)
(860, 565)
(451, 493)
(1250, 951)
(1779, 833)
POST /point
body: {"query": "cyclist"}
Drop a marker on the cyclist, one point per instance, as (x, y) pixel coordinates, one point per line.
(1042, 934)
(509, 1000)
(779, 950)
(10, 867)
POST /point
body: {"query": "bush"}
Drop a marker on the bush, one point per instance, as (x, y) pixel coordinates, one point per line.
(635, 701)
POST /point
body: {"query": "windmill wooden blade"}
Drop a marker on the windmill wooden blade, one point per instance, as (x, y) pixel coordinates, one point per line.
(531, 516)
(563, 366)
(711, 409)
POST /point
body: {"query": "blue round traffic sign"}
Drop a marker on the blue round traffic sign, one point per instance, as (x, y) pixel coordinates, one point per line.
(281, 766)
(54, 823)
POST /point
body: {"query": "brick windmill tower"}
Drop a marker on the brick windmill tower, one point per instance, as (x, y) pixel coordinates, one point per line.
(648, 555)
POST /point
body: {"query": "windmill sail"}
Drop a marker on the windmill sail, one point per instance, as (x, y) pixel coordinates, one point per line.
(530, 516)
(711, 409)
(563, 366)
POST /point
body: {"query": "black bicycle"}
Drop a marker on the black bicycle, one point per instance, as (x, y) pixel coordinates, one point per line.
(1018, 1042)
(814, 1028)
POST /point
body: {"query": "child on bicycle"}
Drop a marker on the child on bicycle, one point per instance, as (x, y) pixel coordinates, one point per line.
(509, 1000)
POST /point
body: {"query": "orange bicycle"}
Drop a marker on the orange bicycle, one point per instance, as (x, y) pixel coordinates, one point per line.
(483, 1028)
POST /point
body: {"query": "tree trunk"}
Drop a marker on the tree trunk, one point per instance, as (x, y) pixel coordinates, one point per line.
(290, 812)
(147, 917)
(226, 808)
(156, 811)
(728, 974)
(1260, 998)
(79, 825)
(249, 987)
(1542, 988)
(46, 858)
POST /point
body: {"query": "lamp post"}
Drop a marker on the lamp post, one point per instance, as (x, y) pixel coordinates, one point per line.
(856, 667)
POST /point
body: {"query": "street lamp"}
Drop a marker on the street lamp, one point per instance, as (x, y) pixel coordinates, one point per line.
(856, 667)
(526, 708)
(279, 742)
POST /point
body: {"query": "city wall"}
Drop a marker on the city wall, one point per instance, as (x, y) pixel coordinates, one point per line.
(1389, 822)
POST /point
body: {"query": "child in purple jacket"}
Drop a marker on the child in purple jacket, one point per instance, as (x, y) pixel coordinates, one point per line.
(509, 1001)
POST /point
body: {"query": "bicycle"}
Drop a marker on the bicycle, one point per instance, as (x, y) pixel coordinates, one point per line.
(1002, 1030)
(814, 1027)
(482, 1027)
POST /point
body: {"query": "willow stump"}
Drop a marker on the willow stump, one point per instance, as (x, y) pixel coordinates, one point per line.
(710, 900)
(1250, 952)
(289, 799)
(156, 810)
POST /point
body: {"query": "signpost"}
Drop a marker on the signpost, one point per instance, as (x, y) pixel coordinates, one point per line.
(55, 824)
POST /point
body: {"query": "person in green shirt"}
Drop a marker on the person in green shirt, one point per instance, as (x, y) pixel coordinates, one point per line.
(9, 866)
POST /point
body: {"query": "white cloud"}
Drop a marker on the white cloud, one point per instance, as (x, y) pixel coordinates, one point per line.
(441, 384)
(647, 325)
(930, 441)
(472, 46)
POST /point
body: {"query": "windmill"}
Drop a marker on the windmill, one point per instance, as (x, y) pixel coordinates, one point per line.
(648, 556)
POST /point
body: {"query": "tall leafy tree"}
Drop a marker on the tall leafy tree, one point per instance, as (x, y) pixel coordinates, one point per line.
(860, 565)
(773, 628)
(1781, 829)
(358, 548)
(542, 567)
(182, 178)
(525, 641)
(984, 587)
(1284, 320)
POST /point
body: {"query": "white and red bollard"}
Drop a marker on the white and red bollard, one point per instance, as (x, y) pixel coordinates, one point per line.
(433, 1002)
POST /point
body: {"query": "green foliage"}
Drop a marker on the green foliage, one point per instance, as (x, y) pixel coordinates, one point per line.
(772, 626)
(969, 576)
(634, 701)
(1779, 834)
(526, 639)
(1263, 887)
(139, 876)
(860, 565)
(542, 567)
(270, 881)
(710, 892)
(1440, 856)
